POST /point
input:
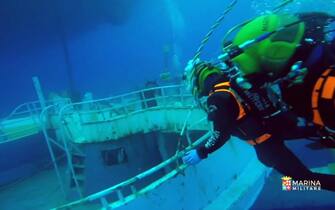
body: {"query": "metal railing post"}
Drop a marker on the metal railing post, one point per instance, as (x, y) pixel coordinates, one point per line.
(29, 109)
(133, 189)
(100, 111)
(144, 100)
(104, 203)
(39, 92)
(125, 109)
(163, 97)
(181, 95)
(120, 195)
(36, 114)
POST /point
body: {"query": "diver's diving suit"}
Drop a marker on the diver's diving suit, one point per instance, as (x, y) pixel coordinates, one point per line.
(308, 42)
(230, 117)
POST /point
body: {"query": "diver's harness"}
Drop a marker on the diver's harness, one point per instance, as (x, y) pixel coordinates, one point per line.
(265, 101)
(245, 108)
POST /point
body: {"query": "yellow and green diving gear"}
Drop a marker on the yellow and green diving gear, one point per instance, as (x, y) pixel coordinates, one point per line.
(202, 72)
(270, 55)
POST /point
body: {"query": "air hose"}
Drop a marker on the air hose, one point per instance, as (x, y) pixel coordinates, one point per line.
(275, 10)
(282, 5)
(213, 28)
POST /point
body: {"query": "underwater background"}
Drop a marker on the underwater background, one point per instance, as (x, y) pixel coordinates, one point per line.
(109, 47)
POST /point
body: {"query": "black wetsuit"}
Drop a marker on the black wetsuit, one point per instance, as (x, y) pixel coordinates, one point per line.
(273, 152)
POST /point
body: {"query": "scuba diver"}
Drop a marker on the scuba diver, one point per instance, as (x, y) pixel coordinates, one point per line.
(299, 54)
(235, 111)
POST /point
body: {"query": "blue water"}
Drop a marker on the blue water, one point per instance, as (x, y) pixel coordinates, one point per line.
(64, 43)
(106, 47)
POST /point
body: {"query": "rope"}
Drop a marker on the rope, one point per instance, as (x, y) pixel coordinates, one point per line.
(179, 145)
(197, 55)
(213, 28)
(280, 6)
(276, 9)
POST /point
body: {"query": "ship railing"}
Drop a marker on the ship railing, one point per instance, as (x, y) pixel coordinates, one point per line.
(111, 108)
(26, 111)
(33, 107)
(121, 200)
(133, 101)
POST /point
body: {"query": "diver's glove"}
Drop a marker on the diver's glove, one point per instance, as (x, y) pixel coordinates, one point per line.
(192, 157)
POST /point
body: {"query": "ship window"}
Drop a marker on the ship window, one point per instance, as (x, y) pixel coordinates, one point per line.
(114, 156)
